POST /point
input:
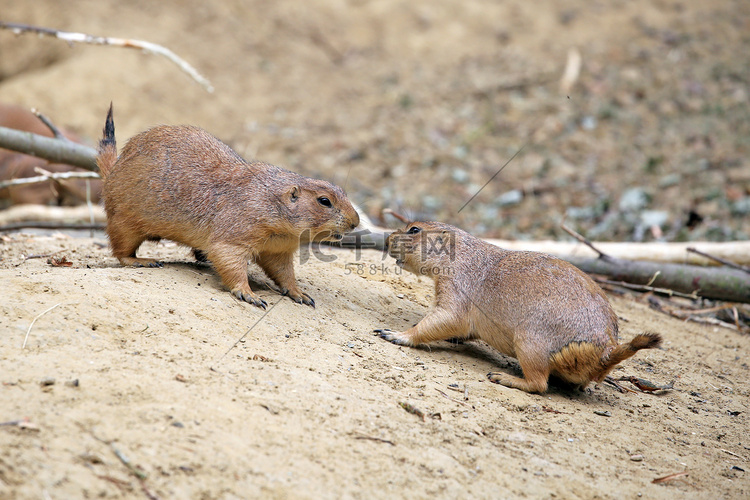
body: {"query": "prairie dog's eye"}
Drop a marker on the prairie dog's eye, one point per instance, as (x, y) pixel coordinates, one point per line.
(413, 230)
(324, 201)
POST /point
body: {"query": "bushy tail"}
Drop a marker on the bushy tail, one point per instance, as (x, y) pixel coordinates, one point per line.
(107, 147)
(624, 351)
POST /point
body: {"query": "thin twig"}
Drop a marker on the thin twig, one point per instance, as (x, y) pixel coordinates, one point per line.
(491, 178)
(644, 288)
(690, 312)
(55, 131)
(245, 334)
(72, 38)
(453, 399)
(583, 240)
(726, 262)
(34, 321)
(733, 454)
(388, 211)
(372, 438)
(671, 477)
(47, 177)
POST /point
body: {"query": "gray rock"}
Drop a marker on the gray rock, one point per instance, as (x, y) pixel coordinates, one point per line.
(634, 199)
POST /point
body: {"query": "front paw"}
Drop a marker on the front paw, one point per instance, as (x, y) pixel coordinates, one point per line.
(250, 298)
(300, 298)
(392, 336)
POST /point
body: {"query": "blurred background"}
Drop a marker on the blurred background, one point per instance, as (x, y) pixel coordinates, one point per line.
(633, 116)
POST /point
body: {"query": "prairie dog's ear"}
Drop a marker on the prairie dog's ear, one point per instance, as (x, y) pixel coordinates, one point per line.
(294, 193)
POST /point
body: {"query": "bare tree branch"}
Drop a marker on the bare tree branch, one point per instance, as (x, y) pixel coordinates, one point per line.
(72, 37)
(49, 148)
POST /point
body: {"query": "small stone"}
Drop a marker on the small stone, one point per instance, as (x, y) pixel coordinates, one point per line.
(47, 381)
(72, 383)
(651, 218)
(636, 458)
(741, 206)
(603, 413)
(588, 123)
(578, 213)
(509, 198)
(460, 175)
(670, 180)
(634, 199)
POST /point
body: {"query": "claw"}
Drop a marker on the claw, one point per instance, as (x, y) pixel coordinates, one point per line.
(250, 298)
(390, 336)
(302, 298)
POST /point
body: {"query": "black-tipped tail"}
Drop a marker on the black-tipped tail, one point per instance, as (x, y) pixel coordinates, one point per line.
(107, 146)
(109, 131)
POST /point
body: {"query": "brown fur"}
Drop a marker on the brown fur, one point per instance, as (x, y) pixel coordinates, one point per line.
(181, 183)
(14, 165)
(539, 309)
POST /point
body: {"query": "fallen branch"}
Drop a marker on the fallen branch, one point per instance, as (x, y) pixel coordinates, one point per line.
(31, 215)
(153, 48)
(49, 148)
(713, 283)
(372, 236)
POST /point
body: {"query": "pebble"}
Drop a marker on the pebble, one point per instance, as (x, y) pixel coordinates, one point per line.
(460, 175)
(509, 198)
(741, 206)
(651, 218)
(633, 199)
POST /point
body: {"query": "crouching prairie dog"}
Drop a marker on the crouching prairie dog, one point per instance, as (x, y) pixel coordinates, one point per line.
(181, 183)
(534, 307)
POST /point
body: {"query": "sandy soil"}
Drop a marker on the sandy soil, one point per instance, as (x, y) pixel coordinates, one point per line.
(207, 397)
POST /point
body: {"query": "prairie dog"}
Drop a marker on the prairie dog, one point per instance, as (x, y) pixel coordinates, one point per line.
(181, 183)
(539, 309)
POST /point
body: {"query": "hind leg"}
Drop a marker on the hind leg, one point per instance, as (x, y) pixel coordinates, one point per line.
(535, 373)
(124, 244)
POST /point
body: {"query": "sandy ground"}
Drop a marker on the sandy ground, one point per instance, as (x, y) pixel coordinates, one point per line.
(206, 397)
(307, 403)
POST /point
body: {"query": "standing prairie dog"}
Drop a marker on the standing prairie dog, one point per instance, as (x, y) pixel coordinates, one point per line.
(534, 307)
(181, 183)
